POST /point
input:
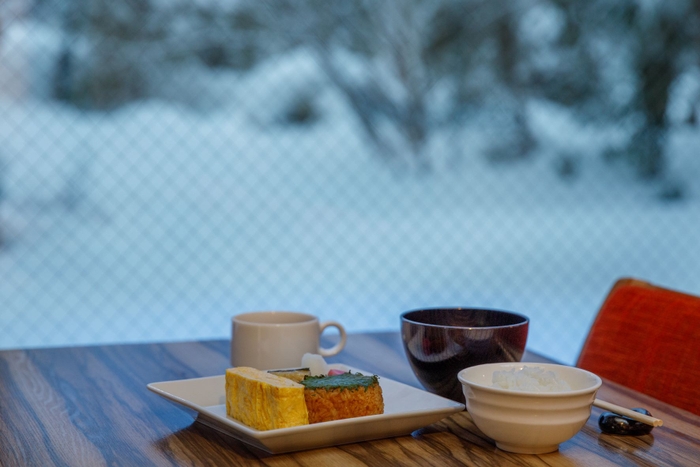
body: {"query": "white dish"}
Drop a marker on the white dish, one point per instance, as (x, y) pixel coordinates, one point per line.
(528, 422)
(405, 410)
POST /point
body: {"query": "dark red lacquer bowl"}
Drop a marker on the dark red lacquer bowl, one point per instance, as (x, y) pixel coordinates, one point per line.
(439, 342)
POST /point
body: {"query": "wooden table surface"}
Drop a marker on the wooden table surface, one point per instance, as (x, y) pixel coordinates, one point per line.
(90, 406)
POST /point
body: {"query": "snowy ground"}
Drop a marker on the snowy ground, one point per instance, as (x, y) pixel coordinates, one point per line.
(159, 222)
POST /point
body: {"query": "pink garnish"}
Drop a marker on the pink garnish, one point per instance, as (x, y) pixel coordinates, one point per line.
(334, 372)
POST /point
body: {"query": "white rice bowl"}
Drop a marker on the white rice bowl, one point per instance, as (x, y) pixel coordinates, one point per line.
(529, 410)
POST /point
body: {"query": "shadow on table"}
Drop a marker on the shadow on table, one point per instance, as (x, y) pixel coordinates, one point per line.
(199, 442)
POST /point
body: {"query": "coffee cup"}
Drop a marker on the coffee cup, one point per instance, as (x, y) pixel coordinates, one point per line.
(269, 340)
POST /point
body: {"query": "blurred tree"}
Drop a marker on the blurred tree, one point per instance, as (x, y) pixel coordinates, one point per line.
(113, 53)
(642, 46)
(390, 59)
(663, 35)
(373, 53)
(409, 69)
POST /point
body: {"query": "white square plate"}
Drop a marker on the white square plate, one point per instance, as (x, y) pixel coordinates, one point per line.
(405, 410)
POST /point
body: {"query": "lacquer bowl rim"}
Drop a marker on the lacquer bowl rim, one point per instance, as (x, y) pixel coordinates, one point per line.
(405, 318)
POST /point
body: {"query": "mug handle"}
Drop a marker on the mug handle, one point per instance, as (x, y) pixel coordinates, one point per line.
(339, 346)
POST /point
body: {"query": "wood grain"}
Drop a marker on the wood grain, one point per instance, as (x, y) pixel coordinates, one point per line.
(90, 406)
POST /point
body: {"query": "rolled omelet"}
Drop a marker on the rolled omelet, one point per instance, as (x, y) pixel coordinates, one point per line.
(264, 401)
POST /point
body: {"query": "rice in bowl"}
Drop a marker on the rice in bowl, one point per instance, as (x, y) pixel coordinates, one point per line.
(530, 379)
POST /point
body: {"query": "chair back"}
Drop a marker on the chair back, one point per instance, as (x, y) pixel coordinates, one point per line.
(647, 338)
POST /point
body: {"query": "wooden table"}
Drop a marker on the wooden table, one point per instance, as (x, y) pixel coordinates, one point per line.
(90, 406)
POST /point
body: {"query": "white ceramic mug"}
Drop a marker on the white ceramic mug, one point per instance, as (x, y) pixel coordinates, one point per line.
(269, 340)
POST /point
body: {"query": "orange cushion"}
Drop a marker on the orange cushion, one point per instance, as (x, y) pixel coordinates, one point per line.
(647, 338)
